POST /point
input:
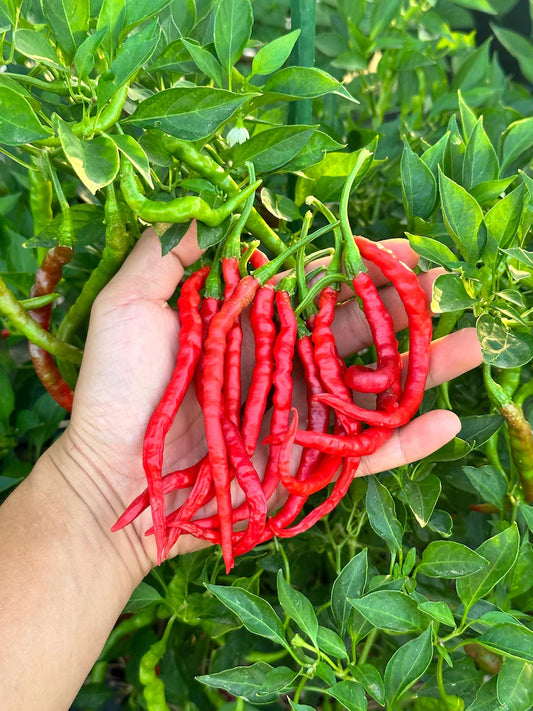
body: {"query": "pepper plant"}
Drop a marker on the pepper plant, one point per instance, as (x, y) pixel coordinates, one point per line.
(416, 592)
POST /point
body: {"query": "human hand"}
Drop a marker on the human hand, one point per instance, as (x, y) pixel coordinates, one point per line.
(130, 354)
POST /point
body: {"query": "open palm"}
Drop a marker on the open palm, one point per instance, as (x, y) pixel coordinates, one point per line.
(130, 354)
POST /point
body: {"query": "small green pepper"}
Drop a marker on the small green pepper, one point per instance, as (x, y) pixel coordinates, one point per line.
(180, 209)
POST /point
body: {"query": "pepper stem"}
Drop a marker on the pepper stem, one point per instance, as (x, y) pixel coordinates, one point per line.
(268, 271)
(232, 243)
(353, 264)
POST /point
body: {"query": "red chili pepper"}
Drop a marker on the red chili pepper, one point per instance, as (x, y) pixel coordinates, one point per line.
(180, 479)
(283, 386)
(359, 445)
(420, 327)
(190, 347)
(210, 306)
(250, 484)
(232, 361)
(47, 277)
(264, 330)
(387, 375)
(214, 350)
(339, 490)
(4, 333)
(330, 365)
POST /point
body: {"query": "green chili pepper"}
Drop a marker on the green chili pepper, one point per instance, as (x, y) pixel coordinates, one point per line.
(117, 246)
(154, 687)
(40, 200)
(104, 120)
(11, 308)
(210, 169)
(520, 433)
(180, 209)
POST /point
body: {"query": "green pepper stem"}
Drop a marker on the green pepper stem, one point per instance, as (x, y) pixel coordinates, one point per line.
(246, 255)
(317, 287)
(353, 264)
(268, 271)
(232, 243)
(335, 265)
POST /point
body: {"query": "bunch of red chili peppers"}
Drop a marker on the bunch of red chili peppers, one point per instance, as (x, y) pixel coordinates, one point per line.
(338, 431)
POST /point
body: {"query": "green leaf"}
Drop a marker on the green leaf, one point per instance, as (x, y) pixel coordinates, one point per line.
(390, 610)
(297, 607)
(209, 236)
(86, 221)
(527, 513)
(35, 45)
(300, 707)
(325, 179)
(205, 61)
(419, 188)
(232, 30)
(439, 611)
(278, 681)
(510, 640)
(441, 522)
(68, 20)
(422, 496)
(477, 429)
(280, 206)
(481, 5)
(142, 597)
(501, 551)
(369, 677)
(134, 53)
(502, 347)
(188, 113)
(313, 152)
(111, 22)
(134, 153)
(516, 141)
(486, 697)
(273, 147)
(245, 682)
(406, 665)
(488, 192)
(350, 583)
(448, 559)
(521, 255)
(255, 613)
(303, 83)
(95, 162)
(329, 642)
(140, 10)
(462, 217)
(382, 514)
(84, 58)
(433, 156)
(518, 46)
(468, 117)
(449, 294)
(18, 121)
(274, 54)
(515, 684)
(480, 162)
(350, 694)
(7, 397)
(489, 483)
(171, 235)
(432, 250)
(503, 219)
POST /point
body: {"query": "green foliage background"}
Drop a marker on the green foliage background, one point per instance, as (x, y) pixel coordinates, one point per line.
(403, 597)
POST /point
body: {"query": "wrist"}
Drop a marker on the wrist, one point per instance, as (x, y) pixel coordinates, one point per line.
(93, 504)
